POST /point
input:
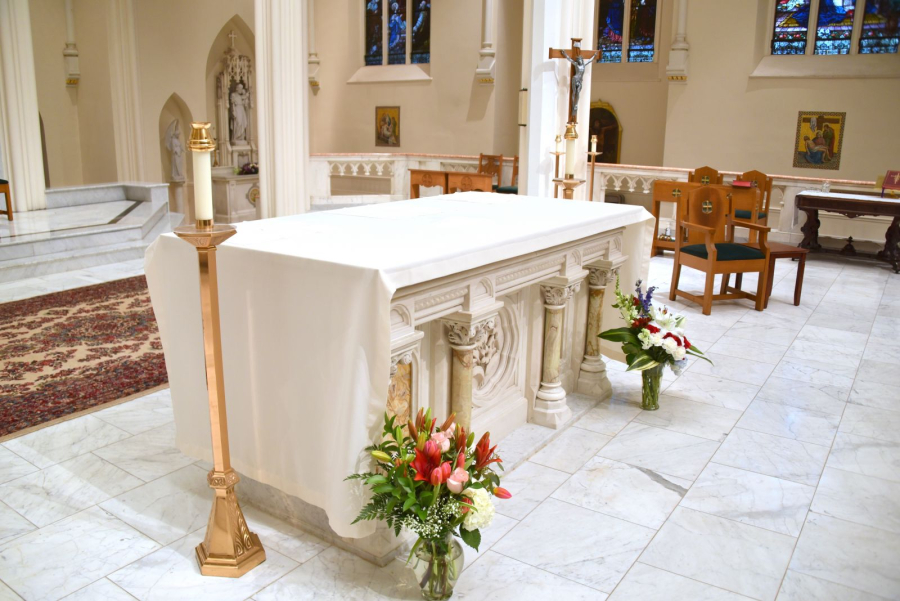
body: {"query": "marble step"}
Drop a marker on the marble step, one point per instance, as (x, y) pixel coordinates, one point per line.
(58, 198)
(41, 233)
(80, 258)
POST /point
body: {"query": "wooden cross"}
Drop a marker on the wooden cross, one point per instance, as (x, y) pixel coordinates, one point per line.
(575, 78)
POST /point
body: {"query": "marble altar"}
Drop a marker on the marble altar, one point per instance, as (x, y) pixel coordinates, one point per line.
(477, 303)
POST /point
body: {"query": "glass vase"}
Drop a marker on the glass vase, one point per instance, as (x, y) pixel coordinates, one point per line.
(437, 565)
(650, 387)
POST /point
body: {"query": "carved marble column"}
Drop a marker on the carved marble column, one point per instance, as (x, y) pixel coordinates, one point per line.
(550, 408)
(592, 378)
(399, 401)
(464, 336)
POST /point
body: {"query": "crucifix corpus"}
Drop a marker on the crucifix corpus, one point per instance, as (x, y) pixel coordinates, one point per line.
(580, 60)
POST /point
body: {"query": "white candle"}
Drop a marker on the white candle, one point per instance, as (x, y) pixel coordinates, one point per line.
(593, 143)
(570, 156)
(559, 144)
(203, 204)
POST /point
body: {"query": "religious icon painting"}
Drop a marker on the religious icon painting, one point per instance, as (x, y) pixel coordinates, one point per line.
(818, 140)
(387, 126)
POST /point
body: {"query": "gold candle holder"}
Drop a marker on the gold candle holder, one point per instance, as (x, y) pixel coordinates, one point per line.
(229, 548)
(556, 171)
(568, 185)
(593, 156)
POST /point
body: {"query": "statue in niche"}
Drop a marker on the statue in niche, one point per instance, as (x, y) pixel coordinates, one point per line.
(176, 150)
(240, 103)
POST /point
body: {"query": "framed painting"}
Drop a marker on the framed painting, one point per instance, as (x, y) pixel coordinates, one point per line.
(387, 126)
(817, 143)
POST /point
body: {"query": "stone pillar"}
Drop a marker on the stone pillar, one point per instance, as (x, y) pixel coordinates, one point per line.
(123, 84)
(592, 378)
(400, 400)
(550, 408)
(282, 98)
(23, 163)
(464, 336)
(313, 61)
(677, 69)
(485, 72)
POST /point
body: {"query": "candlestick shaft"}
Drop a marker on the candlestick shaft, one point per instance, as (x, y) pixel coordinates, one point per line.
(212, 345)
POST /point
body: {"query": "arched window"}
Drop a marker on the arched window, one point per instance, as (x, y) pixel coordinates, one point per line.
(637, 33)
(398, 32)
(836, 28)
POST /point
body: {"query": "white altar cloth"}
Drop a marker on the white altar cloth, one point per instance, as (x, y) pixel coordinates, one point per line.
(305, 304)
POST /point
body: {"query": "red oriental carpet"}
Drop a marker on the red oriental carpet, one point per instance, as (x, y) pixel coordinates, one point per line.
(64, 353)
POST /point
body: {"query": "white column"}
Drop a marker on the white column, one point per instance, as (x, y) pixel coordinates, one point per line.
(70, 52)
(552, 24)
(677, 69)
(20, 125)
(283, 115)
(313, 61)
(123, 84)
(485, 72)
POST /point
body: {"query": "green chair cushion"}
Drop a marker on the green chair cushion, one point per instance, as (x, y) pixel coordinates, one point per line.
(725, 251)
(3, 181)
(494, 186)
(740, 214)
(508, 189)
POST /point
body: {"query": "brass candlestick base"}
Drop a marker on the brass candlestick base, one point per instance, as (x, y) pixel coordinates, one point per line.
(569, 184)
(229, 549)
(557, 154)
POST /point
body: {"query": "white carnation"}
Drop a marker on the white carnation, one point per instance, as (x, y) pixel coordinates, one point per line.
(483, 513)
(679, 353)
(670, 346)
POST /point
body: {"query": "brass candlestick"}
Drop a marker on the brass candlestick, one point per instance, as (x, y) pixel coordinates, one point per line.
(556, 171)
(569, 185)
(229, 549)
(593, 156)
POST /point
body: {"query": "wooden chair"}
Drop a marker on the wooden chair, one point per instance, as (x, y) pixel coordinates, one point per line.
(704, 240)
(491, 164)
(513, 187)
(4, 189)
(764, 183)
(705, 175)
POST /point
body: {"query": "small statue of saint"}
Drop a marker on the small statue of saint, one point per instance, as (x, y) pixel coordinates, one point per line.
(240, 104)
(176, 151)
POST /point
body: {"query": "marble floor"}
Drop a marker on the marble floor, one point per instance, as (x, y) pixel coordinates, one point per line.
(774, 473)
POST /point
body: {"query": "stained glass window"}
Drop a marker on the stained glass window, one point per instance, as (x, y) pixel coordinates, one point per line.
(642, 31)
(834, 26)
(397, 33)
(791, 26)
(374, 17)
(609, 32)
(880, 30)
(421, 32)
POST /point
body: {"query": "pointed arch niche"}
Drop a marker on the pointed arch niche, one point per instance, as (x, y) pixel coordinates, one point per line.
(238, 34)
(179, 191)
(604, 123)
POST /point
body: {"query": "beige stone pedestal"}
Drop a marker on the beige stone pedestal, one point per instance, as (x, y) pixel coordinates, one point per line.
(592, 378)
(550, 408)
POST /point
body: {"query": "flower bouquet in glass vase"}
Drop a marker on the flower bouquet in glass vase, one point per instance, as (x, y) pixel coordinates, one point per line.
(434, 482)
(653, 339)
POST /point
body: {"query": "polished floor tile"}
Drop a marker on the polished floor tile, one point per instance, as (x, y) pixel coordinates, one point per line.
(840, 338)
(733, 368)
(815, 396)
(12, 524)
(571, 450)
(102, 590)
(662, 451)
(66, 488)
(12, 466)
(711, 390)
(609, 417)
(857, 556)
(148, 455)
(875, 394)
(61, 558)
(792, 369)
(762, 333)
(773, 456)
(763, 352)
(623, 491)
(554, 538)
(646, 583)
(790, 422)
(751, 498)
(869, 421)
(529, 484)
(724, 553)
(65, 440)
(860, 499)
(867, 456)
(881, 372)
(172, 574)
(800, 587)
(688, 417)
(140, 415)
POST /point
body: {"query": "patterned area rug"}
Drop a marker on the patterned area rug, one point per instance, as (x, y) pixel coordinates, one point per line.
(70, 351)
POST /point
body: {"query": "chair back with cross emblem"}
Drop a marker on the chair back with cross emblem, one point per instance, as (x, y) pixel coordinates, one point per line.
(491, 164)
(705, 176)
(708, 207)
(764, 183)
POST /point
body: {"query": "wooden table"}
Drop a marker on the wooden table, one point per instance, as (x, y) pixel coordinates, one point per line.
(449, 181)
(427, 178)
(778, 251)
(850, 205)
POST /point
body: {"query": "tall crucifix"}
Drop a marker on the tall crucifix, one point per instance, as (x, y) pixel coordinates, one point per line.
(580, 60)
